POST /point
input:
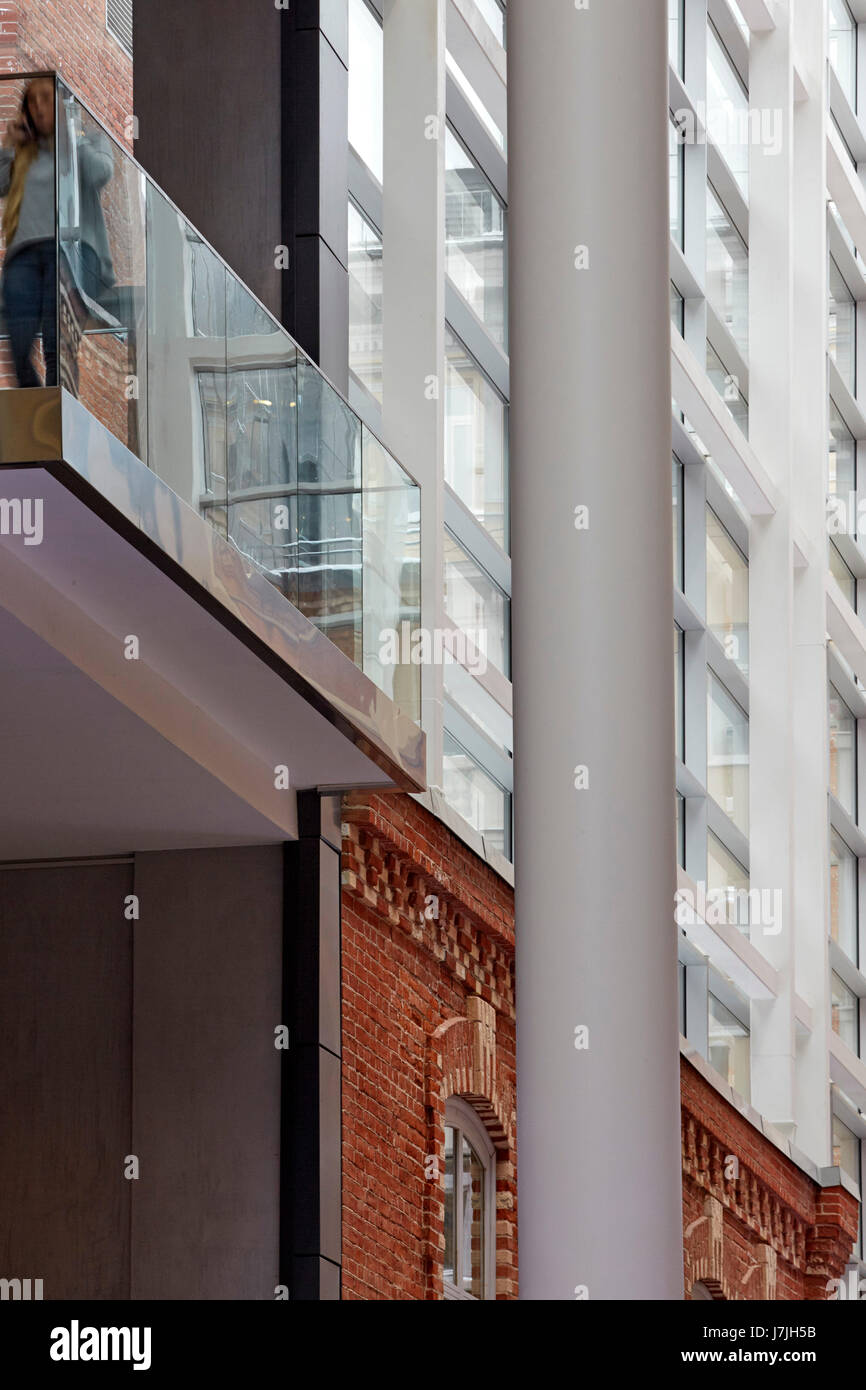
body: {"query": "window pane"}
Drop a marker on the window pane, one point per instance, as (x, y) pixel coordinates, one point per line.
(728, 754)
(845, 1012)
(843, 48)
(475, 795)
(728, 1046)
(843, 896)
(846, 1150)
(681, 830)
(843, 576)
(475, 439)
(365, 302)
(679, 669)
(474, 238)
(678, 310)
(475, 604)
(727, 593)
(474, 100)
(450, 1270)
(843, 753)
(727, 111)
(675, 34)
(842, 481)
(366, 85)
(843, 319)
(472, 1197)
(725, 874)
(678, 522)
(728, 388)
(727, 272)
(676, 153)
(493, 13)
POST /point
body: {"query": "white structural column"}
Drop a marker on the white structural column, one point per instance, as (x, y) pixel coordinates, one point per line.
(598, 1067)
(413, 300)
(811, 430)
(771, 559)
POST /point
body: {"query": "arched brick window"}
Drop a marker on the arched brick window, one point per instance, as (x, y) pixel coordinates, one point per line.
(470, 1205)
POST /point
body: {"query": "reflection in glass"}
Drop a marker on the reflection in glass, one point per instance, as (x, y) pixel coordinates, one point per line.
(365, 302)
(476, 605)
(842, 469)
(474, 100)
(727, 753)
(475, 238)
(681, 830)
(725, 874)
(450, 1262)
(843, 324)
(366, 86)
(678, 310)
(392, 574)
(728, 1045)
(676, 155)
(727, 593)
(475, 795)
(846, 1155)
(843, 48)
(101, 213)
(494, 15)
(475, 439)
(678, 523)
(186, 357)
(845, 1012)
(472, 1198)
(679, 689)
(727, 272)
(843, 753)
(728, 388)
(843, 576)
(676, 35)
(843, 897)
(727, 110)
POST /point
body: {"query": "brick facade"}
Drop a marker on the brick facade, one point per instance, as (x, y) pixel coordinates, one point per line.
(428, 1013)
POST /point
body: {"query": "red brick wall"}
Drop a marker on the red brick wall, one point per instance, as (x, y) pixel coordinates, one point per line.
(755, 1225)
(428, 1012)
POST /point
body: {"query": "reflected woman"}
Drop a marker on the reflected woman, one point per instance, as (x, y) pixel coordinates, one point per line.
(29, 284)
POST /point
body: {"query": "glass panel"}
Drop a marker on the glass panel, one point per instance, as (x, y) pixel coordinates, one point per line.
(727, 111)
(842, 479)
(476, 605)
(728, 1047)
(728, 388)
(365, 302)
(474, 100)
(843, 897)
(475, 439)
(102, 261)
(28, 346)
(366, 86)
(725, 874)
(678, 522)
(681, 830)
(845, 1012)
(678, 310)
(450, 1263)
(472, 1198)
(846, 1150)
(675, 35)
(472, 700)
(475, 795)
(676, 155)
(843, 48)
(679, 679)
(494, 15)
(727, 272)
(186, 371)
(728, 753)
(330, 589)
(727, 593)
(392, 575)
(843, 753)
(843, 576)
(262, 439)
(843, 328)
(475, 238)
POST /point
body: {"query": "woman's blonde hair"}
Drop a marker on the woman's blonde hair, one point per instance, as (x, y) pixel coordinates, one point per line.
(24, 157)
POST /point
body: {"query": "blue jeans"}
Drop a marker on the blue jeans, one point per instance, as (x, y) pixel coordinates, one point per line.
(30, 305)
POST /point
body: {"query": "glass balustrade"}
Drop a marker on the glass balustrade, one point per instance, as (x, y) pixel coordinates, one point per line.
(107, 290)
